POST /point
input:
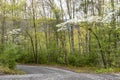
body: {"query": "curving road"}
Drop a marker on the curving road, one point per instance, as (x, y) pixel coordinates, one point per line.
(49, 73)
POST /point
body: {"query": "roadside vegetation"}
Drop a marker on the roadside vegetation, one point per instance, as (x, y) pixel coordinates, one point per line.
(84, 34)
(6, 70)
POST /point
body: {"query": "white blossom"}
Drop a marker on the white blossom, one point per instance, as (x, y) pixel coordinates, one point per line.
(107, 17)
(64, 25)
(14, 31)
(93, 19)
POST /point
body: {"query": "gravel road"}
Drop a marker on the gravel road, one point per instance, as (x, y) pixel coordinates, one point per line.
(49, 73)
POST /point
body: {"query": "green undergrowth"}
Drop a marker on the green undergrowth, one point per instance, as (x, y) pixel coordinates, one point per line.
(108, 70)
(6, 70)
(93, 70)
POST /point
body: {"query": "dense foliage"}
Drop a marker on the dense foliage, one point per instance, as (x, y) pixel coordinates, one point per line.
(67, 32)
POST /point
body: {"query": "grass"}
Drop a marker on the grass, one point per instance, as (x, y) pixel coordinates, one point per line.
(108, 70)
(92, 70)
(6, 70)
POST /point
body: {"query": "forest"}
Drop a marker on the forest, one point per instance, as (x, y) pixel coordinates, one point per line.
(67, 32)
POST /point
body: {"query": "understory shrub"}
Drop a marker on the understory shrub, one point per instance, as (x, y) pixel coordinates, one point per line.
(25, 58)
(42, 58)
(9, 56)
(82, 60)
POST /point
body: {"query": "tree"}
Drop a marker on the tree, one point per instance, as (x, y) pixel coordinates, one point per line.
(3, 29)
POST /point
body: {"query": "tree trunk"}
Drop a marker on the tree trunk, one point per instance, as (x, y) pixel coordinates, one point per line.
(35, 32)
(3, 31)
(100, 47)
